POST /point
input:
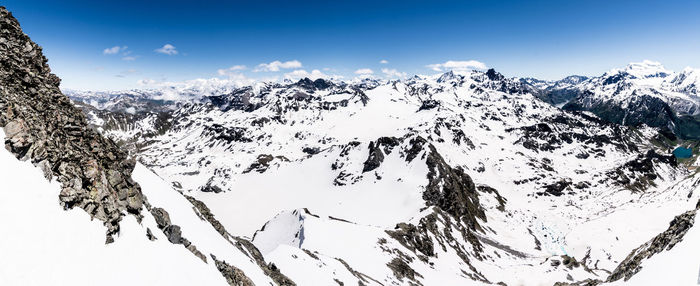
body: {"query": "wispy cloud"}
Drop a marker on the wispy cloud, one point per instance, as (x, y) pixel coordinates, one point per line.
(234, 75)
(114, 50)
(458, 65)
(129, 58)
(364, 71)
(223, 72)
(146, 82)
(126, 73)
(383, 62)
(167, 49)
(240, 79)
(277, 65)
(393, 73)
(297, 74)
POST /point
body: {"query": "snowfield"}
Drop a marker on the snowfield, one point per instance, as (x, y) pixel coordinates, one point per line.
(44, 245)
(457, 179)
(289, 171)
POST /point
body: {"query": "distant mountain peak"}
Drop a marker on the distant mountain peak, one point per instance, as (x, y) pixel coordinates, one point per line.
(647, 69)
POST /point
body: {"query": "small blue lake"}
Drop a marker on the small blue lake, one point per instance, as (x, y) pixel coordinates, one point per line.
(682, 152)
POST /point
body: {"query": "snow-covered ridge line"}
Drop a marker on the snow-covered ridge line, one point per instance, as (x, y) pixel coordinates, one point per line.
(340, 152)
(645, 73)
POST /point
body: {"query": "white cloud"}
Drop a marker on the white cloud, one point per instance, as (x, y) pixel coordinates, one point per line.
(239, 79)
(364, 71)
(182, 90)
(129, 58)
(146, 81)
(277, 65)
(383, 62)
(231, 70)
(297, 74)
(458, 65)
(114, 50)
(393, 73)
(234, 75)
(167, 49)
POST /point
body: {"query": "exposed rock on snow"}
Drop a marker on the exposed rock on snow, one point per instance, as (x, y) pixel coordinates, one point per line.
(459, 178)
(664, 241)
(471, 177)
(44, 127)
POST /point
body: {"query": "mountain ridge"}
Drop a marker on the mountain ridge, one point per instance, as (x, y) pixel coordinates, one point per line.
(461, 178)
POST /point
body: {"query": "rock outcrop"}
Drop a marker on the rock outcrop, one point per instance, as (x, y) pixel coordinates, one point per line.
(43, 126)
(678, 227)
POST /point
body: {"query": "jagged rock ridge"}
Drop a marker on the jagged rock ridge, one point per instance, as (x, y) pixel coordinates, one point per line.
(43, 126)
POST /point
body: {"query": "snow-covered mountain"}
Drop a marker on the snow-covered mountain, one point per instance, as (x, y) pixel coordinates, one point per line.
(343, 167)
(463, 178)
(555, 92)
(643, 93)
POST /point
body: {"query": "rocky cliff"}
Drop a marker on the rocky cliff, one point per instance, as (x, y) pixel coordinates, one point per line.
(43, 126)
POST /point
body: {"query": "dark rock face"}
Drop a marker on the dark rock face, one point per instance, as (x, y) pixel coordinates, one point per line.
(645, 109)
(560, 92)
(210, 187)
(493, 75)
(402, 270)
(452, 190)
(42, 125)
(219, 132)
(429, 104)
(318, 84)
(311, 150)
(233, 275)
(172, 232)
(637, 174)
(263, 162)
(413, 238)
(416, 147)
(239, 99)
(376, 156)
(161, 216)
(556, 131)
(556, 189)
(664, 241)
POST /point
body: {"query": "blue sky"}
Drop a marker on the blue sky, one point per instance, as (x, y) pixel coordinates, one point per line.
(543, 39)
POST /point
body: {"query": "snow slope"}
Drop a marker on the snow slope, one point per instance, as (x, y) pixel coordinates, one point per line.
(72, 245)
(44, 245)
(678, 266)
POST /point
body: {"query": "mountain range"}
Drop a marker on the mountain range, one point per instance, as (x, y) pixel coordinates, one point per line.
(461, 178)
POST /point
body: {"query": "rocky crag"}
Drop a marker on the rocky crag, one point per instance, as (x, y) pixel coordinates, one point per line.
(42, 125)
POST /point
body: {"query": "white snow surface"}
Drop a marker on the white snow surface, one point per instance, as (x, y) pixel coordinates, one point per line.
(678, 266)
(318, 217)
(42, 244)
